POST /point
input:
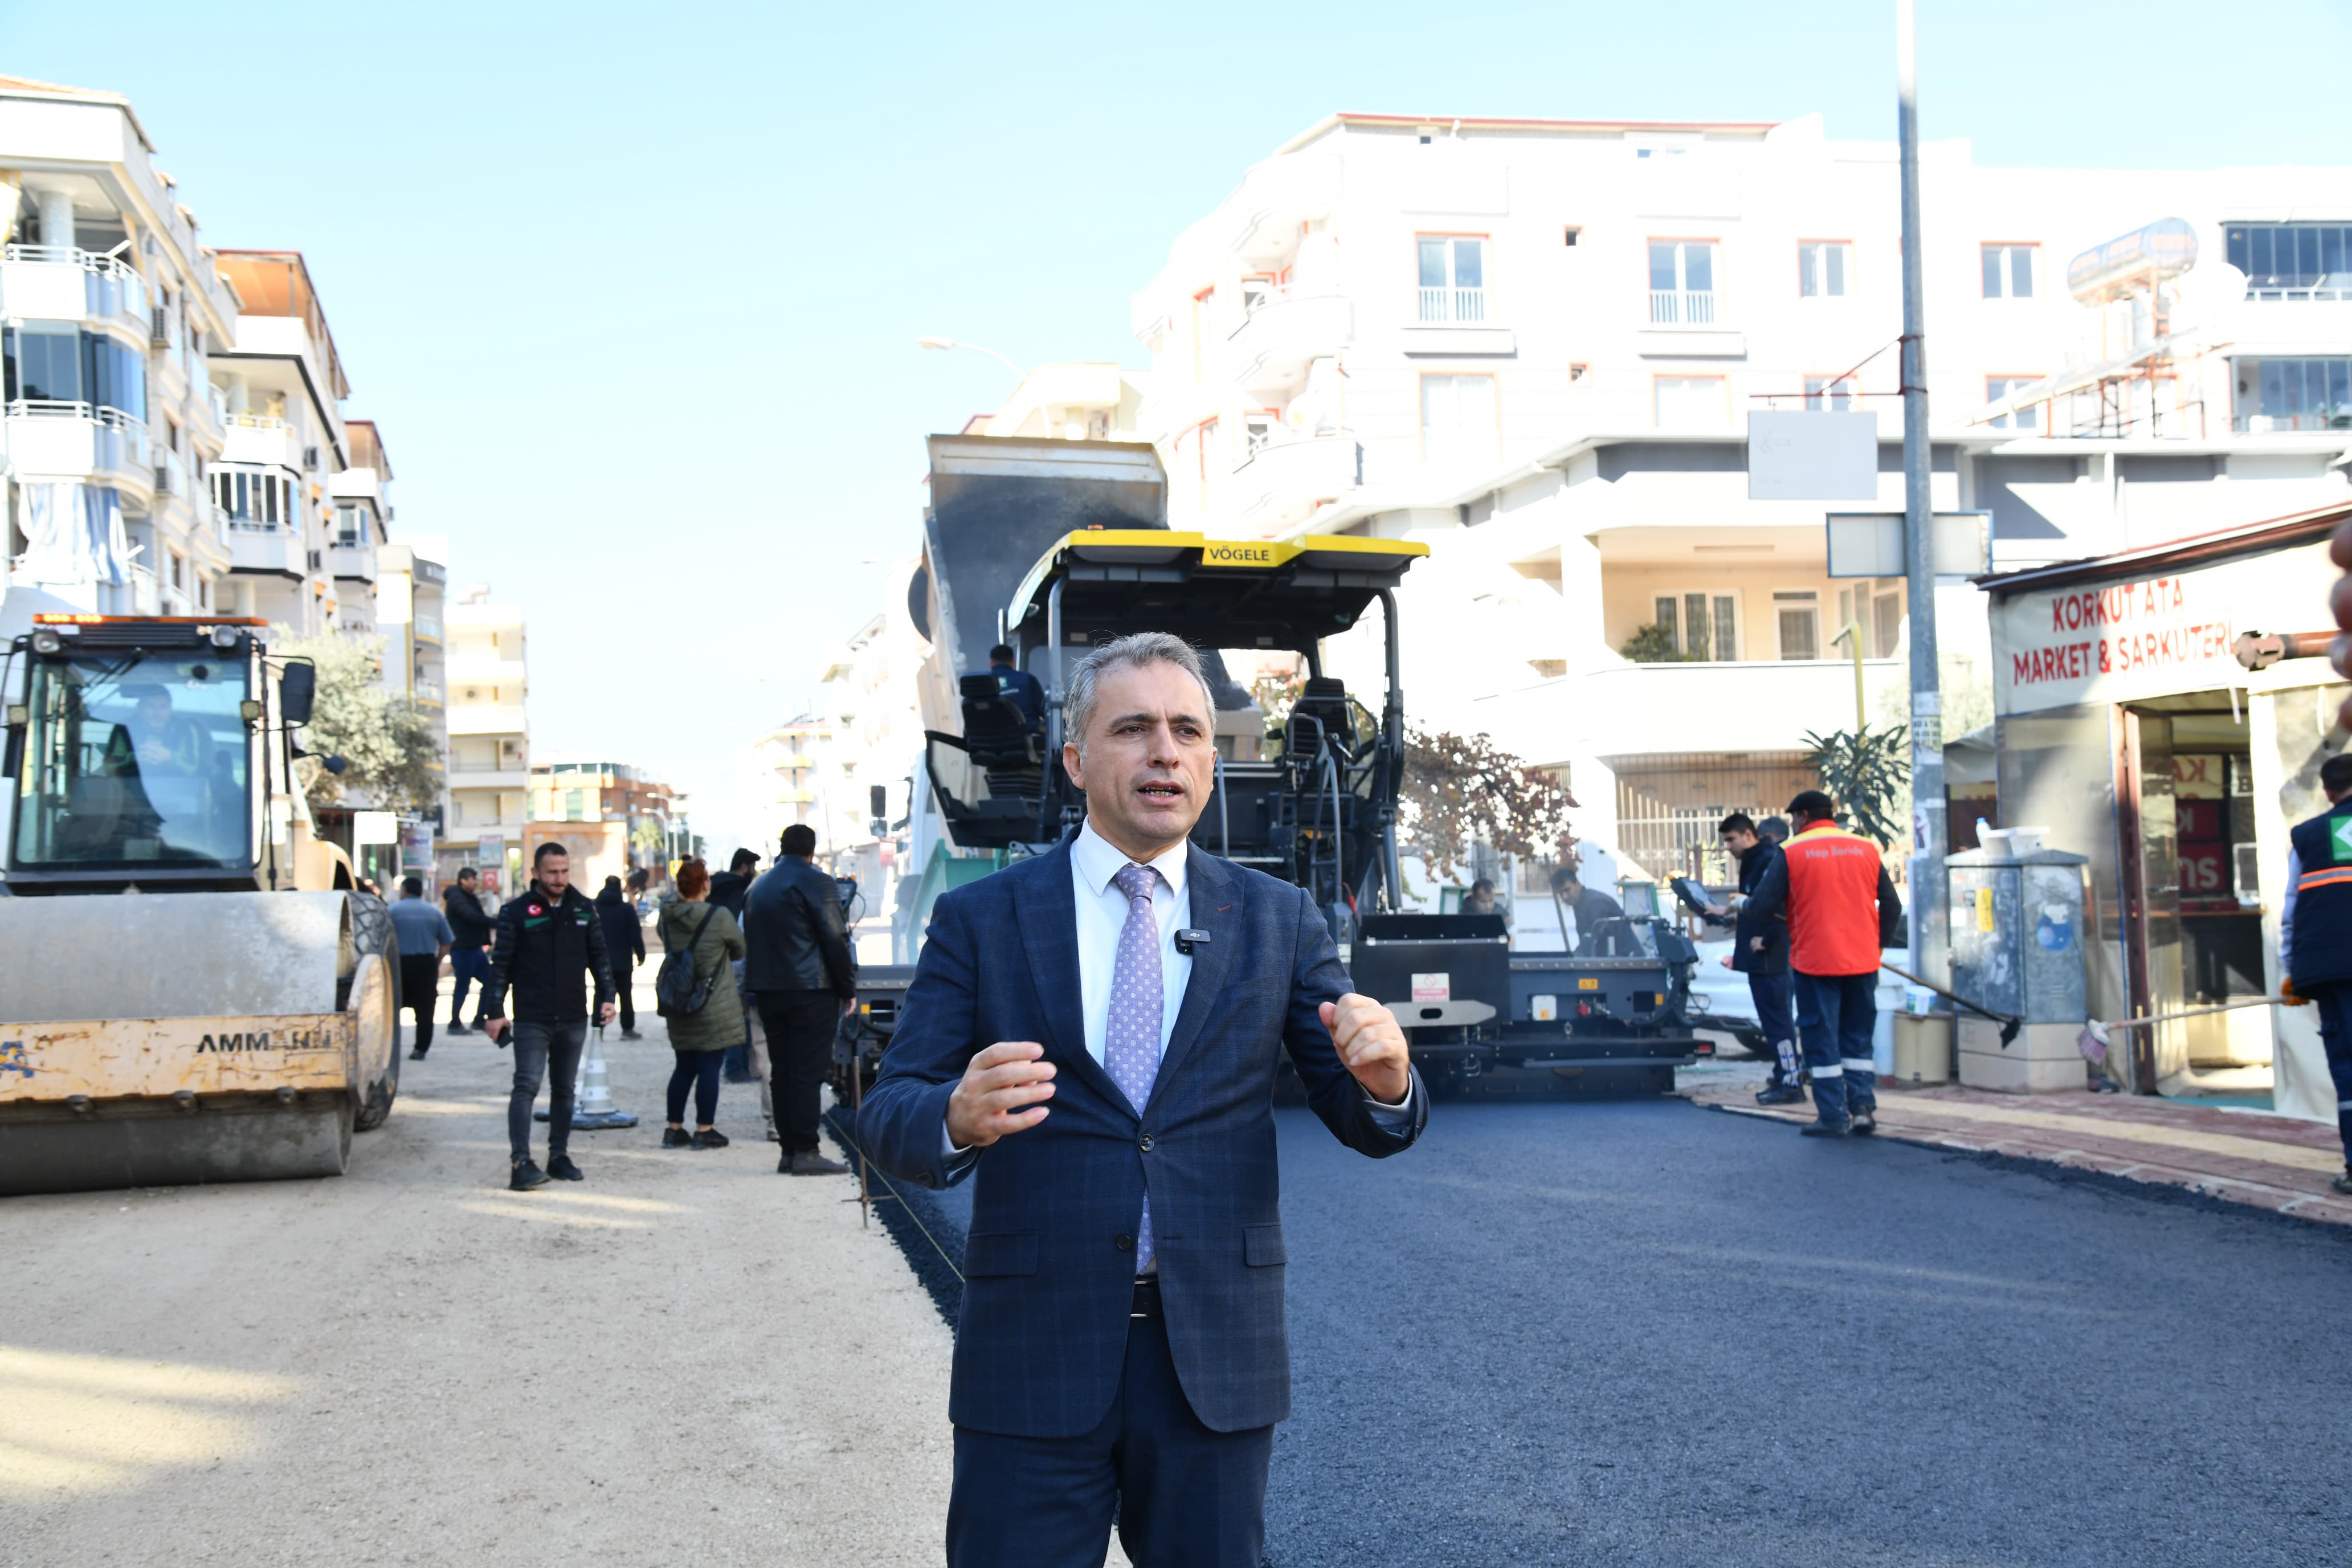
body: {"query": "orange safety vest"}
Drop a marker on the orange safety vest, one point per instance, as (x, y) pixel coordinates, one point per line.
(1833, 902)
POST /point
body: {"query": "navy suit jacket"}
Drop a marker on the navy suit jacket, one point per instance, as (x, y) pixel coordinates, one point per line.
(1049, 1266)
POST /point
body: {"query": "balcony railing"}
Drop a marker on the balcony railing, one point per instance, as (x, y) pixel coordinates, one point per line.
(116, 442)
(1681, 307)
(2301, 288)
(1463, 307)
(2285, 424)
(427, 629)
(427, 691)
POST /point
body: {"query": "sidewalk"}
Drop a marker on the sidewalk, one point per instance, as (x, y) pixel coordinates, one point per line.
(2268, 1161)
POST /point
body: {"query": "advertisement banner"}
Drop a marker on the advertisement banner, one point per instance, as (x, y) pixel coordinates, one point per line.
(2138, 637)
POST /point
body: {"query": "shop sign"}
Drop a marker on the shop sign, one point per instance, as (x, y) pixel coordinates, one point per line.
(2148, 637)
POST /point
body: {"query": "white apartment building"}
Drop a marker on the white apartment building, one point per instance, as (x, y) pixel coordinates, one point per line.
(1534, 344)
(1074, 400)
(108, 305)
(412, 590)
(489, 741)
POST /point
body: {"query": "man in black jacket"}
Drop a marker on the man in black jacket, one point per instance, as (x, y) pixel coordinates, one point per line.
(469, 955)
(801, 970)
(1759, 949)
(624, 947)
(548, 940)
(728, 889)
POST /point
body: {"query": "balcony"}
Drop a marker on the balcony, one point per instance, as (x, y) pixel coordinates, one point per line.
(1681, 307)
(1453, 307)
(75, 440)
(483, 669)
(2288, 424)
(1281, 482)
(426, 629)
(1272, 348)
(356, 562)
(489, 775)
(58, 282)
(1747, 705)
(424, 693)
(266, 547)
(259, 439)
(2300, 289)
(486, 718)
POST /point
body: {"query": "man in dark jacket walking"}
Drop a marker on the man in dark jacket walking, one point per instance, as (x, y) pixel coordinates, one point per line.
(548, 940)
(624, 948)
(469, 955)
(1759, 949)
(802, 973)
(728, 890)
(2315, 934)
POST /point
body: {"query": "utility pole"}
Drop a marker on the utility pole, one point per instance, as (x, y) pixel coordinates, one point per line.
(1930, 939)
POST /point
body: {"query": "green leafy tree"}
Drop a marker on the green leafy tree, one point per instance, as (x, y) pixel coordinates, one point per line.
(1652, 644)
(1868, 774)
(1460, 790)
(386, 745)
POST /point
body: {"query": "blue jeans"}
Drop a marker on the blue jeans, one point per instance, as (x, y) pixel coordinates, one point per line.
(1835, 1016)
(468, 964)
(2334, 1004)
(1771, 995)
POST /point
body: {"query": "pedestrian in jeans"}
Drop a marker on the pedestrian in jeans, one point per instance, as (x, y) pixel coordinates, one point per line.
(698, 925)
(469, 955)
(425, 936)
(1759, 949)
(549, 940)
(625, 945)
(805, 977)
(1842, 911)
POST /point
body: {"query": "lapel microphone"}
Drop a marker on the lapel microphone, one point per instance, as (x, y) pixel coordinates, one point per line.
(1187, 938)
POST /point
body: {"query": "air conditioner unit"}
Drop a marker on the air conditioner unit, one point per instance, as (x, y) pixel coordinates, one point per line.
(310, 457)
(163, 479)
(160, 334)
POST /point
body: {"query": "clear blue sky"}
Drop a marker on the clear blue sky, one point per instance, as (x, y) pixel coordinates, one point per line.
(633, 290)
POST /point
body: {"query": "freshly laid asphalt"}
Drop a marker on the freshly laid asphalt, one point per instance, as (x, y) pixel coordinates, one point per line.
(1635, 1332)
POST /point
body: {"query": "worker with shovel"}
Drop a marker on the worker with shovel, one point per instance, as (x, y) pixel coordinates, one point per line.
(1842, 908)
(2315, 934)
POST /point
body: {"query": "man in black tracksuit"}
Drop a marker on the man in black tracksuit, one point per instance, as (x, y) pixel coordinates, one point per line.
(547, 940)
(1759, 949)
(801, 970)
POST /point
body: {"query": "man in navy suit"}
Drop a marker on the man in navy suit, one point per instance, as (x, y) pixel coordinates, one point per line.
(1092, 1036)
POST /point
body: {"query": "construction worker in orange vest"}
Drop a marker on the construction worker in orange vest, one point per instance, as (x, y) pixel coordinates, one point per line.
(1841, 910)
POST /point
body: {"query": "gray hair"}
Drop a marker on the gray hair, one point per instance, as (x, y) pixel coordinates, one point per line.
(1132, 651)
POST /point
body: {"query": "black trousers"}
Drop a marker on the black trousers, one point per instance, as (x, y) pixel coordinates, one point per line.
(1185, 1497)
(800, 1026)
(625, 987)
(420, 982)
(698, 1071)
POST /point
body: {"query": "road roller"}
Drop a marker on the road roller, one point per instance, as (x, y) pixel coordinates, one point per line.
(193, 987)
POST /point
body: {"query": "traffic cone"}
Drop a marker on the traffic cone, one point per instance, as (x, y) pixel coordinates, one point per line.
(592, 1100)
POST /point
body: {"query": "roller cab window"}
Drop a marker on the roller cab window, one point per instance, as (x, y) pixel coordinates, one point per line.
(134, 760)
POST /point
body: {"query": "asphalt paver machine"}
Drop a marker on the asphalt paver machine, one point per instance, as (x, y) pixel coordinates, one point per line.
(193, 988)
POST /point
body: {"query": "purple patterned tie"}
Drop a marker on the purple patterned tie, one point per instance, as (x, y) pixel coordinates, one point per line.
(1131, 1035)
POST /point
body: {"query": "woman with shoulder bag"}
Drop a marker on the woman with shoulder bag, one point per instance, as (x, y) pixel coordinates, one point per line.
(700, 1035)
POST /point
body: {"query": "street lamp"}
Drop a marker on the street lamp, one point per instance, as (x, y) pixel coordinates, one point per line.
(952, 344)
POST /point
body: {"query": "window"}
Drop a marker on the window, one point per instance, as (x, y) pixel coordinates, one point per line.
(1700, 622)
(1570, 234)
(1457, 419)
(1832, 393)
(350, 527)
(1690, 402)
(1798, 618)
(254, 498)
(1257, 430)
(2304, 393)
(2000, 386)
(2009, 271)
(1578, 372)
(1453, 272)
(575, 806)
(1256, 290)
(55, 361)
(1877, 607)
(2293, 260)
(1823, 268)
(1682, 282)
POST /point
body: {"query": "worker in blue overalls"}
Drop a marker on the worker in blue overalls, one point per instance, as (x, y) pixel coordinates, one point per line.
(2315, 934)
(1017, 686)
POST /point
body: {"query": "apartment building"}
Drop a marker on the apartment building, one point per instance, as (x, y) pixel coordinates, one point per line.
(1535, 345)
(489, 741)
(1075, 401)
(412, 590)
(109, 309)
(611, 819)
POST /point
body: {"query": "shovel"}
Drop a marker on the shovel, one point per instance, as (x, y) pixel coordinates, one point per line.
(2093, 1040)
(2009, 1026)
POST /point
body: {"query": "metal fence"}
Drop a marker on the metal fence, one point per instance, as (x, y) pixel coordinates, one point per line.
(1668, 807)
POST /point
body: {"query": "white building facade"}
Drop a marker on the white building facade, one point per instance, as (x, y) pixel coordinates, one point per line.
(487, 671)
(1534, 344)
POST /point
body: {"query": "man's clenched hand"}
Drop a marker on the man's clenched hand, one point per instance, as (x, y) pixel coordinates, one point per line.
(1003, 1091)
(1371, 1046)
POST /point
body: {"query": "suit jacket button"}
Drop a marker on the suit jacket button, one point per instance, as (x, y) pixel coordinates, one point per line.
(1125, 1244)
(1146, 1145)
